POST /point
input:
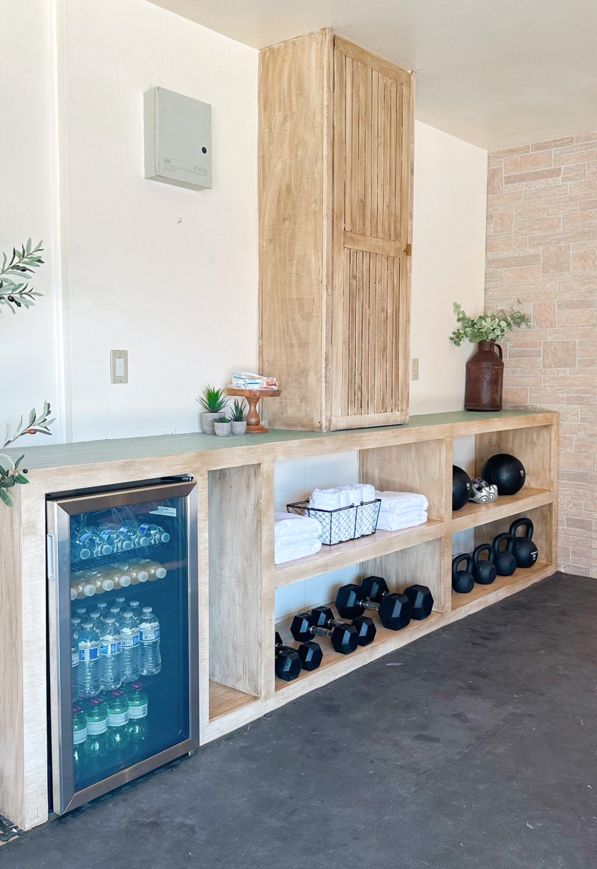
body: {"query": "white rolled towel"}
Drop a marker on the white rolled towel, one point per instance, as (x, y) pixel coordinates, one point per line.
(292, 527)
(389, 521)
(297, 549)
(402, 502)
(341, 496)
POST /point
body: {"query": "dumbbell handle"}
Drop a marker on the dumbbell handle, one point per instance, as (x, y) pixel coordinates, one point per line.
(369, 604)
(316, 631)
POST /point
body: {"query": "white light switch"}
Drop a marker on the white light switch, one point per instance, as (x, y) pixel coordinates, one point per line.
(414, 369)
(119, 366)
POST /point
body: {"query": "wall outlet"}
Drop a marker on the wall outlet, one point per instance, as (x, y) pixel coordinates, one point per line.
(119, 366)
(414, 369)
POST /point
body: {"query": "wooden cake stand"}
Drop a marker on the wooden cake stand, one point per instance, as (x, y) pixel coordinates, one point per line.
(253, 396)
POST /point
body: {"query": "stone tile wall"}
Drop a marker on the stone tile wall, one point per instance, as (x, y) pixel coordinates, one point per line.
(542, 253)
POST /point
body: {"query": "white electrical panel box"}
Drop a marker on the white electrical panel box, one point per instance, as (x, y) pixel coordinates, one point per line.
(177, 139)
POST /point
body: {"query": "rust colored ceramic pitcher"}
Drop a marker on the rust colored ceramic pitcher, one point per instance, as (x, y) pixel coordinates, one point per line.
(484, 378)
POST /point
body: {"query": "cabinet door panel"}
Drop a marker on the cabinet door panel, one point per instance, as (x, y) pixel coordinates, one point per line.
(371, 226)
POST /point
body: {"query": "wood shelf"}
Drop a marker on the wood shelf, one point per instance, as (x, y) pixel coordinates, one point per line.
(355, 551)
(472, 515)
(225, 701)
(334, 665)
(485, 595)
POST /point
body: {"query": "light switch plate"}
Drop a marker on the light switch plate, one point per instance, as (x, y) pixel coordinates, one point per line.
(414, 369)
(119, 366)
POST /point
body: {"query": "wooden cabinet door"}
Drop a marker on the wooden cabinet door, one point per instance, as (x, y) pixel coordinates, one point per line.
(371, 225)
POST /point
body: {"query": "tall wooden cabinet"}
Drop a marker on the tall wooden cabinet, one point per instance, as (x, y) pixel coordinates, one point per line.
(335, 163)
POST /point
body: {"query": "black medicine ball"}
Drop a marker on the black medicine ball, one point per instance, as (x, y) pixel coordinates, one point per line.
(506, 472)
(461, 487)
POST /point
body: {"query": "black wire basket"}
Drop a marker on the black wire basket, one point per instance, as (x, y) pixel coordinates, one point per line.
(343, 523)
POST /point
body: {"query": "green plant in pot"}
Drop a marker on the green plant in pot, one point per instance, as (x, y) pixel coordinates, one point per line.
(485, 368)
(214, 403)
(222, 426)
(238, 417)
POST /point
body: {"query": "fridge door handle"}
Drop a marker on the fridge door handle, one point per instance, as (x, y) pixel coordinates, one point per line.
(51, 556)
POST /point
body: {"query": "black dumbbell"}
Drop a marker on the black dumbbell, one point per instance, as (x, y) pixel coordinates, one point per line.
(344, 638)
(310, 653)
(288, 663)
(394, 610)
(419, 596)
(365, 626)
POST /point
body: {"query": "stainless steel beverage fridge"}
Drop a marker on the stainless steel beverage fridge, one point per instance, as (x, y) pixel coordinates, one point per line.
(122, 627)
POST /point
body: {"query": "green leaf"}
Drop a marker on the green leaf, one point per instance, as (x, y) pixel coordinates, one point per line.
(4, 496)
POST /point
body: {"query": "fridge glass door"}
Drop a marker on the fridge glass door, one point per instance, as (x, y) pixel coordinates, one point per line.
(124, 608)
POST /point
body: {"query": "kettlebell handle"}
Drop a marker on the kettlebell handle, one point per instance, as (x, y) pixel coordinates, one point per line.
(479, 550)
(463, 556)
(497, 543)
(525, 523)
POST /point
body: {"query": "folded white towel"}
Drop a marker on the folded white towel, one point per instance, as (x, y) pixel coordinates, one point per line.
(291, 527)
(290, 551)
(402, 502)
(389, 521)
(341, 496)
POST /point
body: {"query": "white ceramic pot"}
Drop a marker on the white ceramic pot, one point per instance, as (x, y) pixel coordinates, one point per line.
(222, 429)
(239, 427)
(206, 421)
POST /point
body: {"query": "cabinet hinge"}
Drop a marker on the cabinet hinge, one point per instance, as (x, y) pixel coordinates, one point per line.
(408, 250)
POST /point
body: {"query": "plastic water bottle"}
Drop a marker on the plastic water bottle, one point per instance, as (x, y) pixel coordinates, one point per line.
(81, 612)
(102, 581)
(83, 587)
(135, 536)
(83, 544)
(155, 533)
(138, 708)
(151, 660)
(110, 655)
(130, 636)
(154, 569)
(120, 603)
(116, 536)
(74, 660)
(79, 739)
(96, 748)
(101, 608)
(89, 653)
(118, 718)
(135, 608)
(114, 613)
(95, 619)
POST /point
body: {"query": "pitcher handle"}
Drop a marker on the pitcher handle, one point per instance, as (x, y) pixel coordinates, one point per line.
(499, 350)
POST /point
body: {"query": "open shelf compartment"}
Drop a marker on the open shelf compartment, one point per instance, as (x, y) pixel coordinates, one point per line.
(483, 595)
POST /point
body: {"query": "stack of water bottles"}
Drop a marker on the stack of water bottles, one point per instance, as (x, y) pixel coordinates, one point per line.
(111, 648)
(112, 537)
(87, 583)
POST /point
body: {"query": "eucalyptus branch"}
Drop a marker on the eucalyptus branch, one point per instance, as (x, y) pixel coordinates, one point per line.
(16, 290)
(11, 472)
(487, 327)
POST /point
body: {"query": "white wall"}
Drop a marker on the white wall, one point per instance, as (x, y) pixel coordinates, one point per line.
(28, 340)
(448, 265)
(167, 273)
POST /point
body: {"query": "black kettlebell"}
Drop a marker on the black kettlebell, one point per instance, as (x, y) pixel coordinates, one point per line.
(484, 569)
(525, 550)
(505, 563)
(463, 581)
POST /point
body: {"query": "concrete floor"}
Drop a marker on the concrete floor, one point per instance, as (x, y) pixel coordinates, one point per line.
(473, 747)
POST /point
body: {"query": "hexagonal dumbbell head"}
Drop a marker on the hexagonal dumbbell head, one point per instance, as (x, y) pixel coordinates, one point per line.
(345, 639)
(348, 601)
(321, 616)
(310, 655)
(374, 588)
(300, 627)
(421, 601)
(288, 663)
(366, 629)
(395, 611)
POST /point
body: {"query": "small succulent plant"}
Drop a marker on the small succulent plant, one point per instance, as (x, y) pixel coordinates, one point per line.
(239, 411)
(221, 419)
(213, 400)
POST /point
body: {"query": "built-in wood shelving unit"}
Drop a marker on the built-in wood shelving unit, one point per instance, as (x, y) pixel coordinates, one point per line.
(237, 575)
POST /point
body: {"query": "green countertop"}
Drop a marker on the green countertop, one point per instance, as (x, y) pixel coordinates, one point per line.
(56, 455)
